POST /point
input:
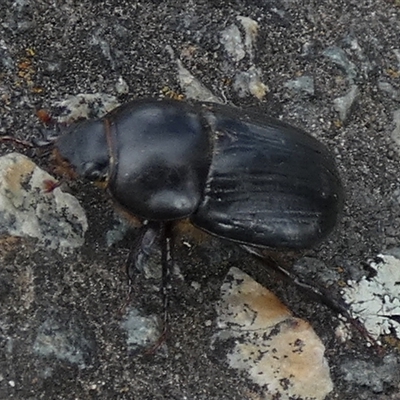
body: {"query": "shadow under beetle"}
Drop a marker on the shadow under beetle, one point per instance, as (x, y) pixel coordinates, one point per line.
(238, 175)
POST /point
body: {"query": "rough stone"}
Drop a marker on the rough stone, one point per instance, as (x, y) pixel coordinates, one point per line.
(27, 208)
(277, 351)
(375, 300)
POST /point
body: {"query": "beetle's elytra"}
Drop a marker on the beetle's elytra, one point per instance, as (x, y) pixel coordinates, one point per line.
(245, 177)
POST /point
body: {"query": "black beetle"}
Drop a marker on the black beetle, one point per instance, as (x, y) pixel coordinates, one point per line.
(245, 177)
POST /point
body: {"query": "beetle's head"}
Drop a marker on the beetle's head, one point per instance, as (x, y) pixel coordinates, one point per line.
(83, 148)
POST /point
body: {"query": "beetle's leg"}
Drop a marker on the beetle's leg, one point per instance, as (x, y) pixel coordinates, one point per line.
(313, 291)
(139, 254)
(150, 233)
(141, 250)
(320, 293)
(166, 264)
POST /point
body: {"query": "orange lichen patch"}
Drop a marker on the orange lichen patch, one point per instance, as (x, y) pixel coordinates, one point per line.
(14, 176)
(281, 354)
(8, 244)
(264, 303)
(298, 359)
(24, 66)
(393, 73)
(37, 89)
(392, 341)
(30, 52)
(337, 123)
(341, 283)
(266, 309)
(227, 81)
(62, 167)
(172, 94)
(26, 70)
(101, 184)
(44, 116)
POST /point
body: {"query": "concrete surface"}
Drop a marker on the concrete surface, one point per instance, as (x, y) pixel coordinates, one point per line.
(332, 68)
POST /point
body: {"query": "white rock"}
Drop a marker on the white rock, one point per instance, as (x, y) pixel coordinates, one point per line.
(55, 218)
(344, 104)
(251, 31)
(121, 86)
(249, 82)
(281, 354)
(231, 39)
(85, 106)
(141, 330)
(376, 301)
(192, 87)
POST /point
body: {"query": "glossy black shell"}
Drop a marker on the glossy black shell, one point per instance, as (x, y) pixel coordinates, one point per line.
(246, 177)
(269, 184)
(161, 159)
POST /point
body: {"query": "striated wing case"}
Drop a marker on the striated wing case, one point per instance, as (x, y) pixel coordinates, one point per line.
(269, 185)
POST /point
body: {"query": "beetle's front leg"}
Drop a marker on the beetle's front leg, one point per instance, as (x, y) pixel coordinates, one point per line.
(153, 233)
(166, 264)
(150, 235)
(142, 249)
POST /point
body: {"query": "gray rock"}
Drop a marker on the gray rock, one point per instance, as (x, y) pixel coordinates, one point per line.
(65, 338)
(344, 104)
(339, 57)
(302, 84)
(142, 331)
(27, 208)
(369, 374)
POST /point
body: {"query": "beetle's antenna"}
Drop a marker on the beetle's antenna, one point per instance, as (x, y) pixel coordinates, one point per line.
(35, 143)
(20, 142)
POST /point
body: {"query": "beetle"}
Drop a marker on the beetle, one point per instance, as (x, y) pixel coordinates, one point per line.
(242, 176)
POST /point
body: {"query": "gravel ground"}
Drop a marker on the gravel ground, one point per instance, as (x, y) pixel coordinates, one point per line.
(61, 329)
